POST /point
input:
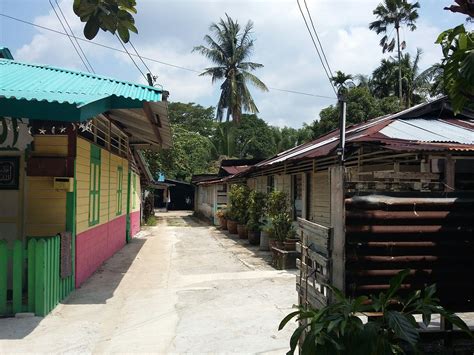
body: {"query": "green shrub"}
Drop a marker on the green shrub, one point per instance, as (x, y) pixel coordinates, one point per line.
(279, 214)
(337, 329)
(239, 201)
(256, 210)
(151, 221)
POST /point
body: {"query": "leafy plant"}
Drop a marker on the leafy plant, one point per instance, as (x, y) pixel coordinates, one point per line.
(108, 15)
(222, 213)
(238, 200)
(458, 64)
(257, 206)
(280, 215)
(337, 328)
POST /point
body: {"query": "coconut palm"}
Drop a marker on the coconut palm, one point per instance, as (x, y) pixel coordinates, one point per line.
(394, 13)
(340, 79)
(416, 85)
(229, 48)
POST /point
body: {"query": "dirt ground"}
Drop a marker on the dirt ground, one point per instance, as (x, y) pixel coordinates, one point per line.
(179, 287)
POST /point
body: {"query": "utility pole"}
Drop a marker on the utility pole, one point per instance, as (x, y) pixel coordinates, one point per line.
(342, 123)
(150, 78)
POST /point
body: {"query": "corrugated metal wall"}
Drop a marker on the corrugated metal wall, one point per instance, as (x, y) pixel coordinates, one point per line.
(431, 236)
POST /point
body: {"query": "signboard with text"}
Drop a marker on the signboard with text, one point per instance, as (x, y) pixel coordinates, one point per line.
(9, 173)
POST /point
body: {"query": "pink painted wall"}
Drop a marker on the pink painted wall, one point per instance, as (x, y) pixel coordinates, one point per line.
(96, 245)
(134, 223)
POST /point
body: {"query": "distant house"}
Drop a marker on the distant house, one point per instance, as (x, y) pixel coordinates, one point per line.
(211, 189)
(70, 181)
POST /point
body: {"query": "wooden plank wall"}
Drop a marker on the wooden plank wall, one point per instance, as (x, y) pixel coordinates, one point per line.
(320, 198)
(314, 263)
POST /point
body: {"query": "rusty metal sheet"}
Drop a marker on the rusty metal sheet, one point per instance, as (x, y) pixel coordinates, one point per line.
(66, 254)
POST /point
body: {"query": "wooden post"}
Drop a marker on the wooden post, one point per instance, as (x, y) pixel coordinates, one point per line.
(3, 276)
(17, 276)
(338, 240)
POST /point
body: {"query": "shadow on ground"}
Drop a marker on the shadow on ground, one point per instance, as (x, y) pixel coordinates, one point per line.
(96, 290)
(103, 283)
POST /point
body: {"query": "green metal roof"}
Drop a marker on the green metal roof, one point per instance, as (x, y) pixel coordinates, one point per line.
(49, 93)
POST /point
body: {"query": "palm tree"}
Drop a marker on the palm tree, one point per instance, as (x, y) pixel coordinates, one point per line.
(416, 84)
(340, 79)
(435, 76)
(394, 13)
(229, 50)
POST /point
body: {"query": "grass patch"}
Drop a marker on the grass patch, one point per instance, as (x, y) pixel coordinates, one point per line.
(151, 221)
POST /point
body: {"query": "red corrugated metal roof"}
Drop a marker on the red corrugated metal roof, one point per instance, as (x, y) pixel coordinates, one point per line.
(370, 131)
(234, 169)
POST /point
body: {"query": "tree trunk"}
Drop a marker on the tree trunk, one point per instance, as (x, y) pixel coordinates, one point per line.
(397, 26)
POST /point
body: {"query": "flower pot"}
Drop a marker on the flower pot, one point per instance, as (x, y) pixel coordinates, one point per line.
(290, 244)
(223, 223)
(232, 226)
(254, 237)
(276, 243)
(264, 241)
(242, 231)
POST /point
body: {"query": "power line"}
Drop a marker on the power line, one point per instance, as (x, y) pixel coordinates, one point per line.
(95, 43)
(133, 60)
(146, 58)
(77, 42)
(146, 66)
(303, 93)
(317, 37)
(70, 39)
(316, 47)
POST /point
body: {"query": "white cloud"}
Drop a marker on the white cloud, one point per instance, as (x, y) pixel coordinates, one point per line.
(170, 29)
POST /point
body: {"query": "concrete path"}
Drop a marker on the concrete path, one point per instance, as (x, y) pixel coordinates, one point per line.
(179, 287)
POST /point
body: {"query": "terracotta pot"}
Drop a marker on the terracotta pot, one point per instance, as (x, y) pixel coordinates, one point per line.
(242, 230)
(254, 237)
(232, 226)
(264, 241)
(223, 223)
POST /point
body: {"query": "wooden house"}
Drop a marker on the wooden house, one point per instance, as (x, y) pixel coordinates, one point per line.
(402, 198)
(70, 185)
(211, 189)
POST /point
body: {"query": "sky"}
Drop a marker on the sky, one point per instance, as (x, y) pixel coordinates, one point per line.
(168, 31)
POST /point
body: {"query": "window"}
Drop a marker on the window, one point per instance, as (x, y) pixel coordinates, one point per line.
(94, 186)
(270, 183)
(119, 189)
(297, 182)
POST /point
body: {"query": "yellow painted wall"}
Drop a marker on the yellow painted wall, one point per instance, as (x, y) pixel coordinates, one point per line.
(45, 207)
(108, 186)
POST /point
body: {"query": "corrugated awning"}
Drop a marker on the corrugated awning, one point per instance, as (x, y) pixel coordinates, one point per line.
(41, 92)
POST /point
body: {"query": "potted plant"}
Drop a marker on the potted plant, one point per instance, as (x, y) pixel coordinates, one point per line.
(222, 215)
(291, 240)
(237, 211)
(257, 203)
(231, 221)
(280, 216)
(239, 202)
(266, 235)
